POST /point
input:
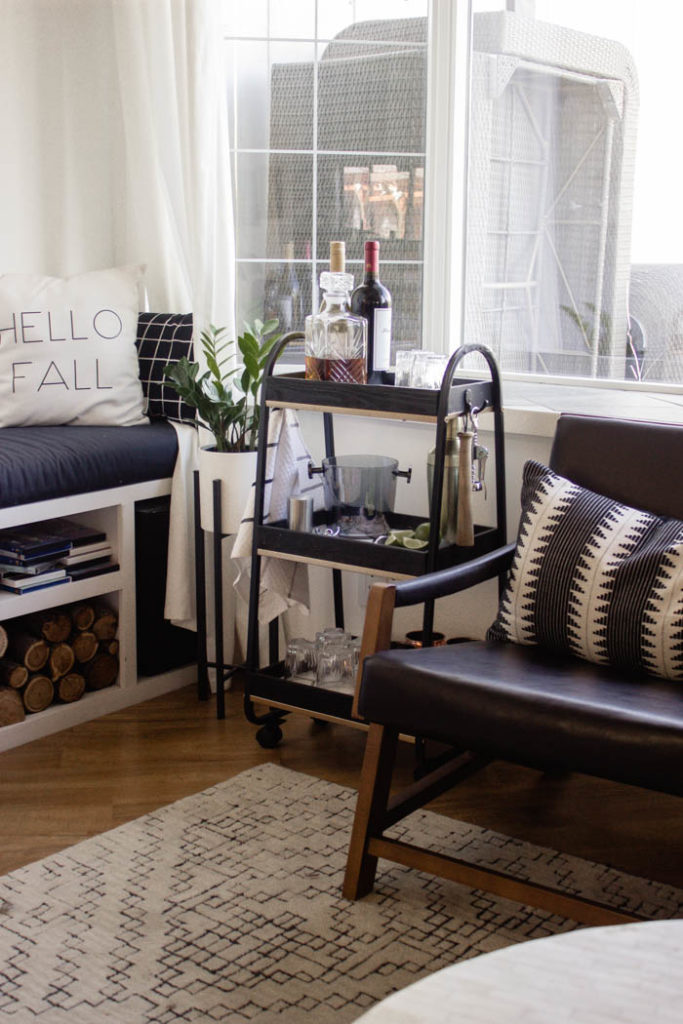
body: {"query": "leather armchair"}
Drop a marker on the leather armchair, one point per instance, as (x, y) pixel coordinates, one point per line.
(496, 700)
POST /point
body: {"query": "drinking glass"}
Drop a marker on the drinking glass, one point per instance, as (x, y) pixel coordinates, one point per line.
(428, 370)
(404, 366)
(330, 635)
(300, 657)
(335, 666)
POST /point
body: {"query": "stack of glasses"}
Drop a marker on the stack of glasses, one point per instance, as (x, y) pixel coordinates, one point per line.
(331, 661)
(417, 368)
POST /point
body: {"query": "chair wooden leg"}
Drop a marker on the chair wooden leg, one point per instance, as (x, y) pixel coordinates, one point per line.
(373, 796)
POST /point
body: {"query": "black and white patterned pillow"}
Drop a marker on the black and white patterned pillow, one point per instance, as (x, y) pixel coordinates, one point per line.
(163, 338)
(594, 578)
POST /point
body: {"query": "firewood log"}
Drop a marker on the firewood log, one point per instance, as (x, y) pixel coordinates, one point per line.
(12, 674)
(71, 687)
(82, 616)
(38, 693)
(85, 645)
(105, 624)
(109, 647)
(101, 671)
(53, 625)
(11, 707)
(61, 660)
(4, 641)
(29, 650)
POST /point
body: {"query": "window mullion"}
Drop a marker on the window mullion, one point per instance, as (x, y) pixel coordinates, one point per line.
(446, 175)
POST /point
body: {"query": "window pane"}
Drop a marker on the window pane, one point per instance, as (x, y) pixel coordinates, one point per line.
(574, 219)
(329, 143)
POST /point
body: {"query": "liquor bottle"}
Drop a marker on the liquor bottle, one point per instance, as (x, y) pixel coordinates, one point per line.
(337, 257)
(373, 301)
(338, 266)
(291, 312)
(336, 340)
(283, 295)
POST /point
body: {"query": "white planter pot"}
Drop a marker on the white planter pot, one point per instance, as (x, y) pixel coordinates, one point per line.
(237, 472)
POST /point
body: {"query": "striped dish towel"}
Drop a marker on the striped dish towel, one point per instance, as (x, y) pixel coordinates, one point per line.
(284, 584)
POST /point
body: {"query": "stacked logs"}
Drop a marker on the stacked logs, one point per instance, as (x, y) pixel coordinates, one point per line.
(56, 655)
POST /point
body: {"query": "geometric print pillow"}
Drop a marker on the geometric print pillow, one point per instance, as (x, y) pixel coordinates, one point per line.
(163, 338)
(594, 578)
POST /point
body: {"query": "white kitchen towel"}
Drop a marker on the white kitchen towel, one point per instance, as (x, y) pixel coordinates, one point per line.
(284, 583)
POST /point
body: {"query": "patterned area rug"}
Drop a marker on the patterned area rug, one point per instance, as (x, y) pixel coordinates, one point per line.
(226, 907)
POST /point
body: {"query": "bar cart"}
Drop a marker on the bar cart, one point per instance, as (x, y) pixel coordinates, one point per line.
(267, 685)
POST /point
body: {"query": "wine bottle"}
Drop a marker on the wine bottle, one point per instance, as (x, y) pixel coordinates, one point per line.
(372, 300)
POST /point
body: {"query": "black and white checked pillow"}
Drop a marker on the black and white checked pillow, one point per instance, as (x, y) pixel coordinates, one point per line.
(163, 338)
(594, 578)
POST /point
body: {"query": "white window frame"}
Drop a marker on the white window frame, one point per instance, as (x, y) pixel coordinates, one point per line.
(445, 215)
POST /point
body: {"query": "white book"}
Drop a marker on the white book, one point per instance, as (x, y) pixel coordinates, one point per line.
(78, 556)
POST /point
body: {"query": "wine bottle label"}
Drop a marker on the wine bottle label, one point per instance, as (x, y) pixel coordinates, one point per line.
(382, 339)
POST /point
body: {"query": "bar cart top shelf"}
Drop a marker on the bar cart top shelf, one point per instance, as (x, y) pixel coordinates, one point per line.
(292, 390)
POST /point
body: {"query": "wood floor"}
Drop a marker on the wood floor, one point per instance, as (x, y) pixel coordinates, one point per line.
(63, 788)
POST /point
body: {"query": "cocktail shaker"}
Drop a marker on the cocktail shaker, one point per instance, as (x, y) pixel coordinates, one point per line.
(449, 501)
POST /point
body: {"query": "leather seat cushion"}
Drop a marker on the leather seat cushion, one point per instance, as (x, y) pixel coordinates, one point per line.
(527, 705)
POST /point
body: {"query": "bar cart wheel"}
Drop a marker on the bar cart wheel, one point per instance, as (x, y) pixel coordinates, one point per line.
(269, 735)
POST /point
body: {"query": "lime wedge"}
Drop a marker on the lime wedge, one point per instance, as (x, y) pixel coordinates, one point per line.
(391, 540)
(400, 534)
(422, 531)
(414, 543)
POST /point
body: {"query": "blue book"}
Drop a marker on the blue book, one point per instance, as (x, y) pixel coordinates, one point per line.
(31, 542)
(34, 586)
(26, 568)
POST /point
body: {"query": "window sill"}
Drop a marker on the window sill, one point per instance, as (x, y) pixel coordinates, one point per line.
(533, 409)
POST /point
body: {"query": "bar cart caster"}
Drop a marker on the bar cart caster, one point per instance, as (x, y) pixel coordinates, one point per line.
(268, 736)
(269, 733)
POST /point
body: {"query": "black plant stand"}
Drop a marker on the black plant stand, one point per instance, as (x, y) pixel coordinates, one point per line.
(223, 672)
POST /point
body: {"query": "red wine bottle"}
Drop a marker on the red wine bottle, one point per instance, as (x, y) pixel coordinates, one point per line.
(373, 301)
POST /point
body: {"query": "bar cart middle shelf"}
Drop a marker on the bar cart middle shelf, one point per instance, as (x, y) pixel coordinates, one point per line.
(457, 396)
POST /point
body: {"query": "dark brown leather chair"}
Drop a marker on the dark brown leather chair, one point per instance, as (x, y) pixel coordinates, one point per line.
(497, 700)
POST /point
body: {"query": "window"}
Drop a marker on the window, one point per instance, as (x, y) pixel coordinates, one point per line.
(562, 253)
(329, 116)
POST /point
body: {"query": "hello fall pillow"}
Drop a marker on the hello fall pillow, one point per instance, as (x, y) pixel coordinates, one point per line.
(67, 349)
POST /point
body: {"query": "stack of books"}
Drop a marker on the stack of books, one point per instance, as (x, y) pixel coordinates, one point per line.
(50, 553)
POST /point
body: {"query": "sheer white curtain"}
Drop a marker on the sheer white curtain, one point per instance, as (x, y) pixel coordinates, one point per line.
(115, 150)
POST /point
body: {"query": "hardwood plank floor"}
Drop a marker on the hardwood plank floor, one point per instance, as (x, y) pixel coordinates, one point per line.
(63, 788)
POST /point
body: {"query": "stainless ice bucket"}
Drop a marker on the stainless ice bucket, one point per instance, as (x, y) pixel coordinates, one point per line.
(360, 490)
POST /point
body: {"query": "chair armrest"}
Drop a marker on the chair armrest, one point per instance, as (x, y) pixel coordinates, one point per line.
(384, 597)
(457, 578)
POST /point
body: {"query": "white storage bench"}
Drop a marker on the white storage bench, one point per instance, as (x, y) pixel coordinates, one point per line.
(95, 475)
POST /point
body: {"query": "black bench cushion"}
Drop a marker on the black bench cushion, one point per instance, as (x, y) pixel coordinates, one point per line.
(39, 463)
(529, 706)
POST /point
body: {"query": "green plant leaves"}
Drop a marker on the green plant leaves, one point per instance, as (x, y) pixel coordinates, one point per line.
(234, 421)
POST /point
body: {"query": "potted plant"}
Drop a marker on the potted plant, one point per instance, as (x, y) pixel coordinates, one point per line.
(226, 397)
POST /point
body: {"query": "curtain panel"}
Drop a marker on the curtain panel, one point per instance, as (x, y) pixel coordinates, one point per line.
(115, 146)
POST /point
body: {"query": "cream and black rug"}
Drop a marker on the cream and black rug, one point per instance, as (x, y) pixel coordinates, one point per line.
(226, 907)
